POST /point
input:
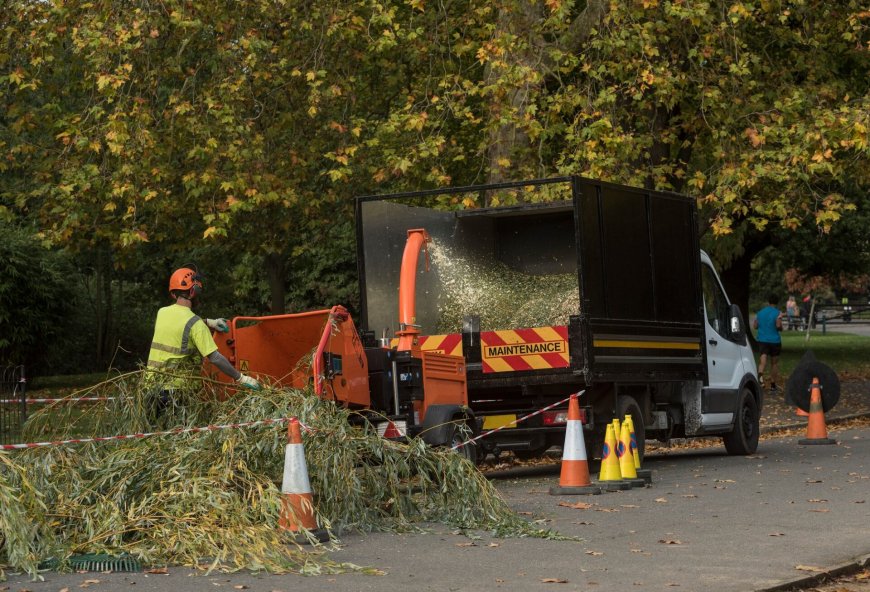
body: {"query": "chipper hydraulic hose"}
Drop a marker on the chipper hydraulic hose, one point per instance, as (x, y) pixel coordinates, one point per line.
(408, 327)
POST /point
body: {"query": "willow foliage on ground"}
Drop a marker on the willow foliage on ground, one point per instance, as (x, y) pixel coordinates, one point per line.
(212, 500)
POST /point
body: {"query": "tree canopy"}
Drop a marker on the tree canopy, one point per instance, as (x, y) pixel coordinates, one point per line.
(251, 125)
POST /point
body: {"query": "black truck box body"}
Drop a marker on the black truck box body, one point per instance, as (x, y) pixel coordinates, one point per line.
(616, 269)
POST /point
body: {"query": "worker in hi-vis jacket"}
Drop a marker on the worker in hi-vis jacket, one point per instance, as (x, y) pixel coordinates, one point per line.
(179, 335)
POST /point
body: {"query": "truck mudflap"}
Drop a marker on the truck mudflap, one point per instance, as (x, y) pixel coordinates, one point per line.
(441, 421)
(713, 411)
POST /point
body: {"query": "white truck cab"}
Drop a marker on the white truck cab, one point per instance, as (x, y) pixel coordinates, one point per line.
(731, 400)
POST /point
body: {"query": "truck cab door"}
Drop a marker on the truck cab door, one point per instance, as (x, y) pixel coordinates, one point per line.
(725, 347)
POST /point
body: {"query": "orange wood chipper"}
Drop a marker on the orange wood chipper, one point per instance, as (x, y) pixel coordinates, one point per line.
(402, 390)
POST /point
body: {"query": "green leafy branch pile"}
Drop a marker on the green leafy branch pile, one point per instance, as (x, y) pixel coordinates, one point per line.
(212, 500)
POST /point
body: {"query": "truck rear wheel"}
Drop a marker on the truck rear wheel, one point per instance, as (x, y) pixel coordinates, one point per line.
(628, 406)
(743, 439)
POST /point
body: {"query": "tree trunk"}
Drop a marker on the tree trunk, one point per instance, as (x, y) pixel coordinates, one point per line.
(103, 304)
(277, 292)
(509, 142)
(737, 277)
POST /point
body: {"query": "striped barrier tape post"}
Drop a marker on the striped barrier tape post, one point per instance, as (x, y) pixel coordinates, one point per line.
(53, 401)
(516, 421)
(178, 431)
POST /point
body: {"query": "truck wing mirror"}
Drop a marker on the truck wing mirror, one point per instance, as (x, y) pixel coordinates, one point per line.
(738, 329)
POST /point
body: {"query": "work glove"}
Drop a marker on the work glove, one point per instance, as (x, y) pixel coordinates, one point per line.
(219, 325)
(249, 382)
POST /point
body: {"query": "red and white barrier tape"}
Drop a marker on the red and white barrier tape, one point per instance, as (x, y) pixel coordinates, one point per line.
(178, 431)
(516, 421)
(52, 401)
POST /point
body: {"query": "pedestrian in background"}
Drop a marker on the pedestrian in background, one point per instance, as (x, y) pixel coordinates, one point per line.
(792, 312)
(768, 324)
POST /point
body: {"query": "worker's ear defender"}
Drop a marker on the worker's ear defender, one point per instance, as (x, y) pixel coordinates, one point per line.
(196, 290)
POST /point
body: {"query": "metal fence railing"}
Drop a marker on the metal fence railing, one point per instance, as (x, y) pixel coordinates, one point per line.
(13, 403)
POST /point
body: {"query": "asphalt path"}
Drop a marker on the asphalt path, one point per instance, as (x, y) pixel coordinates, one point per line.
(708, 522)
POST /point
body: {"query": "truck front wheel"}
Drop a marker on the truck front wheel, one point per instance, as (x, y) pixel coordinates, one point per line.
(628, 406)
(743, 439)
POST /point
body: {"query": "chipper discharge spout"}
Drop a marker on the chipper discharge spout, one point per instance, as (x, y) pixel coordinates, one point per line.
(408, 331)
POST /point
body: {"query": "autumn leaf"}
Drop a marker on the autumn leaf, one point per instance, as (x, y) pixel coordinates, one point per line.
(576, 506)
(554, 581)
(809, 568)
(671, 541)
(594, 553)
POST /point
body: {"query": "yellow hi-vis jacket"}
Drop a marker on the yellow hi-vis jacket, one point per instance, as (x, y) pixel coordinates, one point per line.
(179, 335)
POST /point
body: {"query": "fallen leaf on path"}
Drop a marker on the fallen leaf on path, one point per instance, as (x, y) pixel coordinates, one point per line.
(725, 481)
(661, 500)
(608, 510)
(240, 587)
(469, 544)
(577, 506)
(157, 570)
(817, 501)
(594, 553)
(493, 545)
(814, 481)
(820, 510)
(809, 568)
(671, 541)
(689, 495)
(628, 506)
(777, 534)
(554, 581)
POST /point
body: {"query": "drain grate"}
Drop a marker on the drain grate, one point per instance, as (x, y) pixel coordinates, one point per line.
(98, 562)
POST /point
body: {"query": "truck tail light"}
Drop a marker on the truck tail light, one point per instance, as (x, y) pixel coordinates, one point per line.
(554, 418)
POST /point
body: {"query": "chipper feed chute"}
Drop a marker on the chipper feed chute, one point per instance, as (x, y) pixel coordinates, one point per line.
(283, 349)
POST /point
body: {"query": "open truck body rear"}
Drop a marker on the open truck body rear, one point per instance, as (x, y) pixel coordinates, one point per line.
(586, 286)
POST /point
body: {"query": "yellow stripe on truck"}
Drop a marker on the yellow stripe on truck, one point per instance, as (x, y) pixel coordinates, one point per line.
(645, 344)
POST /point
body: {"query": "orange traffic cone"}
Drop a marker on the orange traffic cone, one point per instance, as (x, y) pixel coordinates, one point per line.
(574, 479)
(297, 506)
(611, 476)
(817, 432)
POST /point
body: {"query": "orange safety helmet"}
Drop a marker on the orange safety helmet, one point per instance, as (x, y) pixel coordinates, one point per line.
(185, 279)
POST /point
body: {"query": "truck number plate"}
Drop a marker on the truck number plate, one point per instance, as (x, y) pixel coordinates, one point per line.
(491, 422)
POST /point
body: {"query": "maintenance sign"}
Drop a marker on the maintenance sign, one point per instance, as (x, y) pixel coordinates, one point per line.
(536, 348)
